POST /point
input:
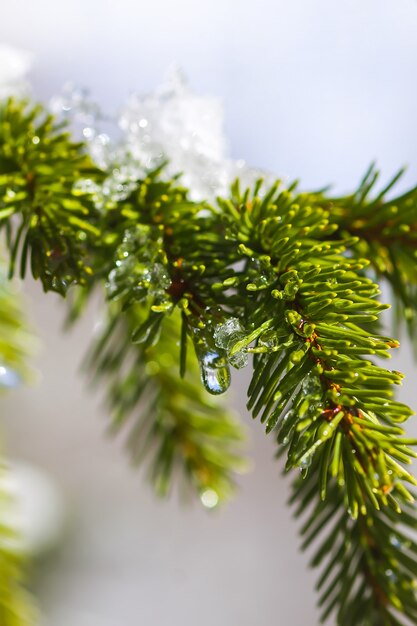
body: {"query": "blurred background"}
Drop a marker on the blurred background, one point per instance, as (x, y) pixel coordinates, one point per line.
(311, 90)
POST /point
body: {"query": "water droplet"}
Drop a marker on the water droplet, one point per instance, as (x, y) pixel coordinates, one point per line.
(305, 462)
(209, 498)
(8, 378)
(398, 543)
(394, 541)
(285, 431)
(391, 575)
(61, 283)
(112, 282)
(215, 372)
(89, 133)
(269, 341)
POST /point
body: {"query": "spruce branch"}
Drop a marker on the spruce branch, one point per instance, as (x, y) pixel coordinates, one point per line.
(368, 564)
(386, 229)
(284, 276)
(47, 223)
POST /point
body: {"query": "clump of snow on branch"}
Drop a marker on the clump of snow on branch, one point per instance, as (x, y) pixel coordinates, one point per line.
(171, 125)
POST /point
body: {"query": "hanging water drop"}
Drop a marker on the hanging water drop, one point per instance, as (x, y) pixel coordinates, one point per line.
(209, 498)
(214, 366)
(215, 372)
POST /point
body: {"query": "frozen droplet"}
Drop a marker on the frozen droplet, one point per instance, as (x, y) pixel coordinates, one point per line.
(239, 359)
(311, 384)
(228, 332)
(215, 372)
(159, 279)
(8, 378)
(209, 498)
(226, 335)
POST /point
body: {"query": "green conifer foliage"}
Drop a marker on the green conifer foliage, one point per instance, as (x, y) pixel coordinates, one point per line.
(285, 280)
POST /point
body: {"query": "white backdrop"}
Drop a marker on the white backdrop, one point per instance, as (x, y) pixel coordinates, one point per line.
(314, 90)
